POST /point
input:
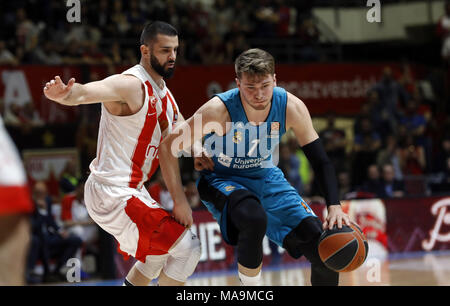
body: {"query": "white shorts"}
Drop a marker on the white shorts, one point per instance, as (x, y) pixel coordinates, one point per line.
(139, 224)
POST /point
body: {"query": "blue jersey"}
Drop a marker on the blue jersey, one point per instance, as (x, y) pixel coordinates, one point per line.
(246, 149)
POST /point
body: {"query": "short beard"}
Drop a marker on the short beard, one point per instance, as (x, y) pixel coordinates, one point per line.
(160, 68)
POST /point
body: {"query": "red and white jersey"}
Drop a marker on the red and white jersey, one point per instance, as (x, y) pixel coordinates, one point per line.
(14, 192)
(127, 147)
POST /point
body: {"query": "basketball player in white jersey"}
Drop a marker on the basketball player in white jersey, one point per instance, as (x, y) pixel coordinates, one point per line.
(15, 207)
(138, 110)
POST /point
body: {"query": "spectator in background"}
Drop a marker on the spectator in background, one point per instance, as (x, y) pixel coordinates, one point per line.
(414, 122)
(392, 95)
(241, 23)
(441, 183)
(411, 156)
(119, 19)
(48, 239)
(115, 54)
(344, 184)
(365, 150)
(289, 164)
(265, 19)
(6, 57)
(12, 115)
(69, 178)
(309, 36)
(378, 114)
(441, 158)
(47, 53)
(392, 187)
(221, 15)
(75, 216)
(389, 154)
(335, 142)
(373, 183)
(86, 142)
(407, 79)
(285, 16)
(30, 116)
(26, 32)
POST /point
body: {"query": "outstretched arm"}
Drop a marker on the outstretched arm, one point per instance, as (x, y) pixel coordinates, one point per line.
(116, 89)
(299, 119)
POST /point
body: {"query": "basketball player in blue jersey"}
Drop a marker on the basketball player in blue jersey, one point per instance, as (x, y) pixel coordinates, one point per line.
(242, 188)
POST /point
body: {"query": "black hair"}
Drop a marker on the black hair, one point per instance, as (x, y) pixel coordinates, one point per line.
(151, 30)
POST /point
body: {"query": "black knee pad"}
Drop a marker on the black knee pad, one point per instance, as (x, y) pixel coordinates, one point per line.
(246, 211)
(303, 240)
(306, 233)
(248, 219)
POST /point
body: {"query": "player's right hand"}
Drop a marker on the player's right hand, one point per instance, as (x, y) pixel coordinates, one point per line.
(56, 90)
(203, 162)
(182, 212)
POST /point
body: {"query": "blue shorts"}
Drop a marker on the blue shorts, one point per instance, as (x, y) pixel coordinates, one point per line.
(284, 207)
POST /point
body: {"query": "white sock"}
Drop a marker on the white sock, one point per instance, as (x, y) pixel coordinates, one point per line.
(250, 280)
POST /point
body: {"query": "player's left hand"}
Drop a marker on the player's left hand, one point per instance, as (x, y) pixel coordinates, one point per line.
(336, 215)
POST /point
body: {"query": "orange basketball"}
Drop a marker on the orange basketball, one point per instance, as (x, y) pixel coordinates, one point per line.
(343, 250)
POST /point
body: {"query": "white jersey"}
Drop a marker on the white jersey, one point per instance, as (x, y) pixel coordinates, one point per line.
(14, 192)
(127, 147)
(11, 170)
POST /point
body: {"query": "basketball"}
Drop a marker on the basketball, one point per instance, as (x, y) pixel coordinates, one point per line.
(343, 250)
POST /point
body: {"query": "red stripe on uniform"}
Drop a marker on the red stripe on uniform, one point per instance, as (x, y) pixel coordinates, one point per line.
(175, 112)
(158, 230)
(15, 199)
(161, 118)
(137, 162)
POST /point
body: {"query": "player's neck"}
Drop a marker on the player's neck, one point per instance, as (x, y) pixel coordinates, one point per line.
(155, 76)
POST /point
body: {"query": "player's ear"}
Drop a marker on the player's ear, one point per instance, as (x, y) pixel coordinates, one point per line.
(145, 51)
(238, 83)
(275, 79)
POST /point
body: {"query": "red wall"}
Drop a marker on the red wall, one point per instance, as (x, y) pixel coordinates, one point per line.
(323, 87)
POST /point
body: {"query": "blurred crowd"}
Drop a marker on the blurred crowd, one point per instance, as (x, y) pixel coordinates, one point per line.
(398, 145)
(211, 32)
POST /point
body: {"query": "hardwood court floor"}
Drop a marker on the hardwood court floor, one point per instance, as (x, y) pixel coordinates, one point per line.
(417, 269)
(412, 269)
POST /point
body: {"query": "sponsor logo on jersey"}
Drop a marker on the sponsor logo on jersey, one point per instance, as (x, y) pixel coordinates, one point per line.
(224, 160)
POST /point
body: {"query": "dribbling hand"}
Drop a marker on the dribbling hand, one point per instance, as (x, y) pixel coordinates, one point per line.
(336, 215)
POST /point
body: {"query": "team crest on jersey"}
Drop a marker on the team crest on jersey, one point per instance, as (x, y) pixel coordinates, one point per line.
(274, 127)
(153, 101)
(237, 137)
